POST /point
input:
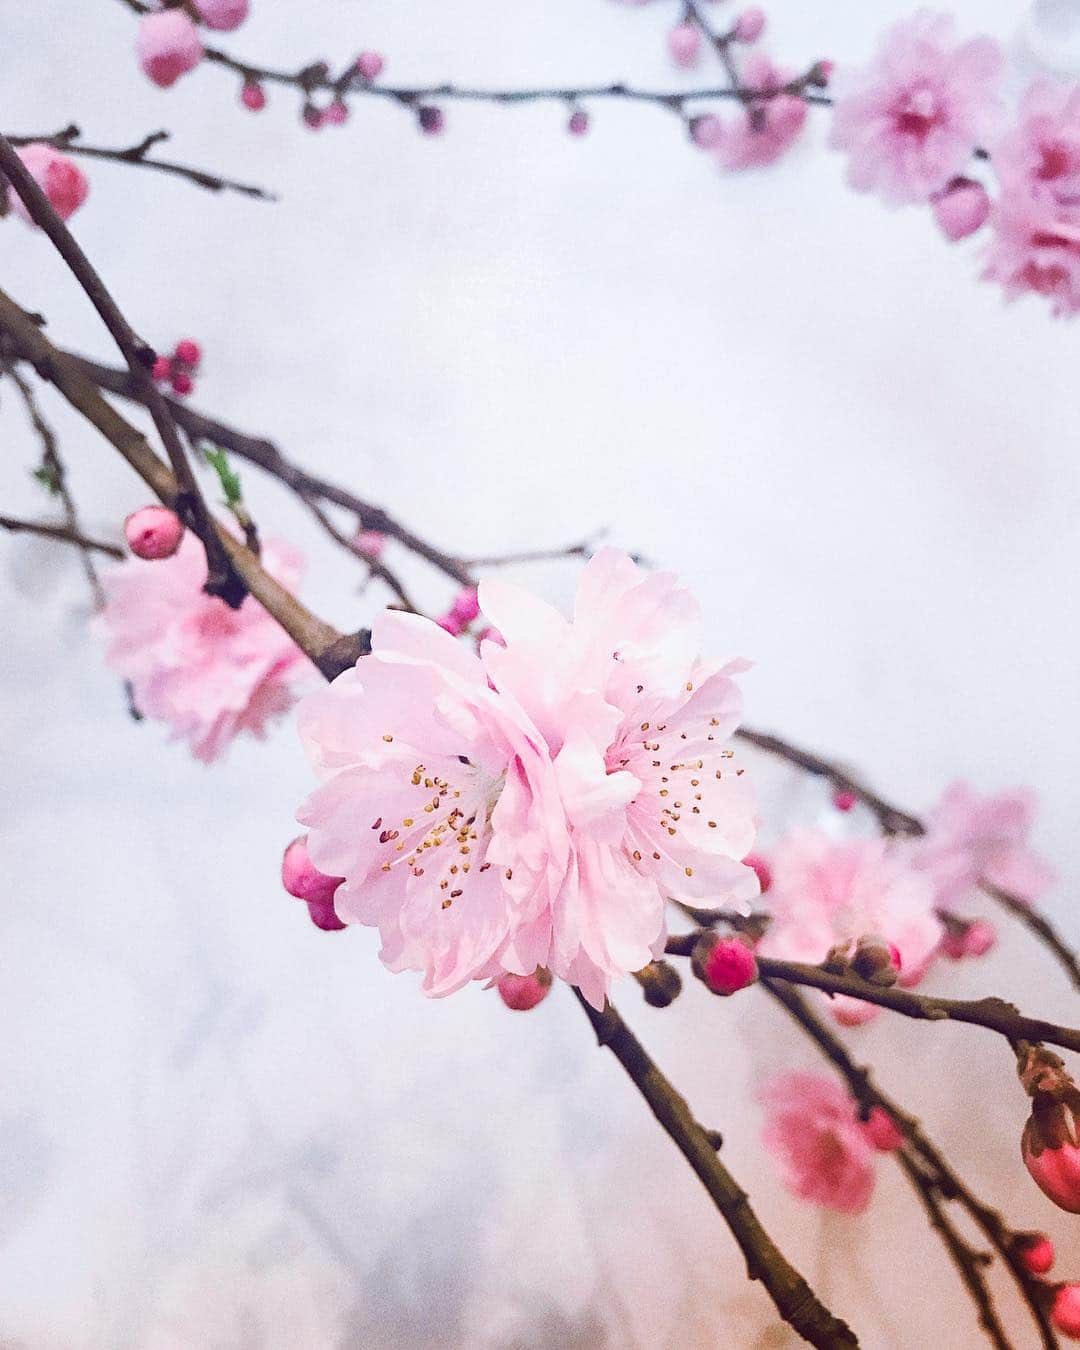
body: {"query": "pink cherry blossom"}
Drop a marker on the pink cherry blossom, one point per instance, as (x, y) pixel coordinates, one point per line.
(168, 46)
(210, 672)
(1035, 245)
(910, 120)
(58, 176)
(971, 839)
(824, 1153)
(224, 15)
(768, 126)
(826, 893)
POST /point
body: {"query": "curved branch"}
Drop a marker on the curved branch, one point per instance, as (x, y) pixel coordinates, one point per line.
(65, 534)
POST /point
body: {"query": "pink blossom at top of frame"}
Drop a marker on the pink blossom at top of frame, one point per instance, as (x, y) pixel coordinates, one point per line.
(911, 119)
(223, 15)
(767, 127)
(824, 1153)
(211, 672)
(972, 838)
(1035, 244)
(826, 892)
(168, 46)
(58, 176)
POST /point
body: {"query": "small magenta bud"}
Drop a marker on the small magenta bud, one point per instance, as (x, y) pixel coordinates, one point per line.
(168, 46)
(253, 96)
(466, 604)
(750, 25)
(961, 209)
(311, 116)
(188, 353)
(821, 72)
(523, 992)
(153, 532)
(323, 915)
(182, 383)
(764, 872)
(371, 542)
(431, 119)
(844, 799)
(161, 369)
(337, 114)
(1036, 1252)
(578, 124)
(1065, 1314)
(224, 15)
(882, 1131)
(302, 878)
(725, 964)
(876, 961)
(684, 43)
(1050, 1149)
(706, 131)
(369, 65)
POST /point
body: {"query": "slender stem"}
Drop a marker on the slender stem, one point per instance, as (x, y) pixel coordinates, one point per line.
(793, 1297)
(61, 533)
(222, 579)
(139, 155)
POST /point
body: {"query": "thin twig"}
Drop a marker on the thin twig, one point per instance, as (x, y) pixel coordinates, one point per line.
(62, 534)
(794, 1299)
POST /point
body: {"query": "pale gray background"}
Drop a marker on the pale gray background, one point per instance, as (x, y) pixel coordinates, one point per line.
(219, 1127)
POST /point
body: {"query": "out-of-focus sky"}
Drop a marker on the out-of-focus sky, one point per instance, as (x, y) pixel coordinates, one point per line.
(220, 1128)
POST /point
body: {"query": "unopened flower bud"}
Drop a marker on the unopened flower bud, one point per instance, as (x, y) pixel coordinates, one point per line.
(578, 124)
(323, 915)
(337, 114)
(59, 177)
(466, 606)
(706, 131)
(844, 799)
(168, 46)
(821, 72)
(222, 15)
(750, 25)
(1036, 1252)
(967, 937)
(882, 1131)
(370, 542)
(961, 208)
(153, 532)
(302, 878)
(431, 119)
(523, 992)
(1065, 1314)
(725, 964)
(312, 117)
(161, 369)
(684, 43)
(253, 96)
(188, 353)
(660, 982)
(369, 65)
(1050, 1148)
(876, 961)
(181, 382)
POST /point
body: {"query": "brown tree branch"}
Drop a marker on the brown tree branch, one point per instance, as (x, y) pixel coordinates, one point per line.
(793, 1297)
(61, 533)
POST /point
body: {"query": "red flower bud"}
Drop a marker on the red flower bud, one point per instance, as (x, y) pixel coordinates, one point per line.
(523, 992)
(1036, 1252)
(881, 1130)
(725, 964)
(1065, 1314)
(153, 532)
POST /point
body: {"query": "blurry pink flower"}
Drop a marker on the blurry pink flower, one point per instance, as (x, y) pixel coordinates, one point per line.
(224, 15)
(825, 1155)
(684, 43)
(767, 127)
(1036, 221)
(706, 131)
(211, 672)
(911, 119)
(961, 208)
(750, 25)
(59, 177)
(168, 46)
(971, 839)
(826, 893)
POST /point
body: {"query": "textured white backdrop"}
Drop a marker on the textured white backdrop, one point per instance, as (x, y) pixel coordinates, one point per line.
(219, 1127)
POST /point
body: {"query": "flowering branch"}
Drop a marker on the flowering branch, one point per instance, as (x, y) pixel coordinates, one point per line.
(63, 533)
(794, 1299)
(893, 820)
(68, 140)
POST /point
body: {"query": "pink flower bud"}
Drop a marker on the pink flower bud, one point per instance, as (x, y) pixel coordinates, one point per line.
(188, 353)
(431, 119)
(466, 606)
(59, 177)
(168, 46)
(876, 961)
(578, 124)
(161, 369)
(764, 872)
(153, 532)
(523, 992)
(253, 96)
(684, 42)
(369, 65)
(823, 71)
(881, 1130)
(750, 25)
(182, 383)
(371, 542)
(964, 938)
(323, 915)
(223, 15)
(337, 114)
(725, 964)
(1065, 1314)
(302, 878)
(706, 131)
(844, 799)
(311, 117)
(961, 209)
(1051, 1152)
(1036, 1253)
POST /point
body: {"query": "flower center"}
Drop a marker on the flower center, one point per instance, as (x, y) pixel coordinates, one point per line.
(918, 113)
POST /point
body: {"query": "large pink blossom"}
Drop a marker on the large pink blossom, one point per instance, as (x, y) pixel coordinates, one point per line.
(1036, 221)
(911, 119)
(825, 1155)
(825, 893)
(211, 672)
(766, 127)
(971, 839)
(533, 807)
(58, 176)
